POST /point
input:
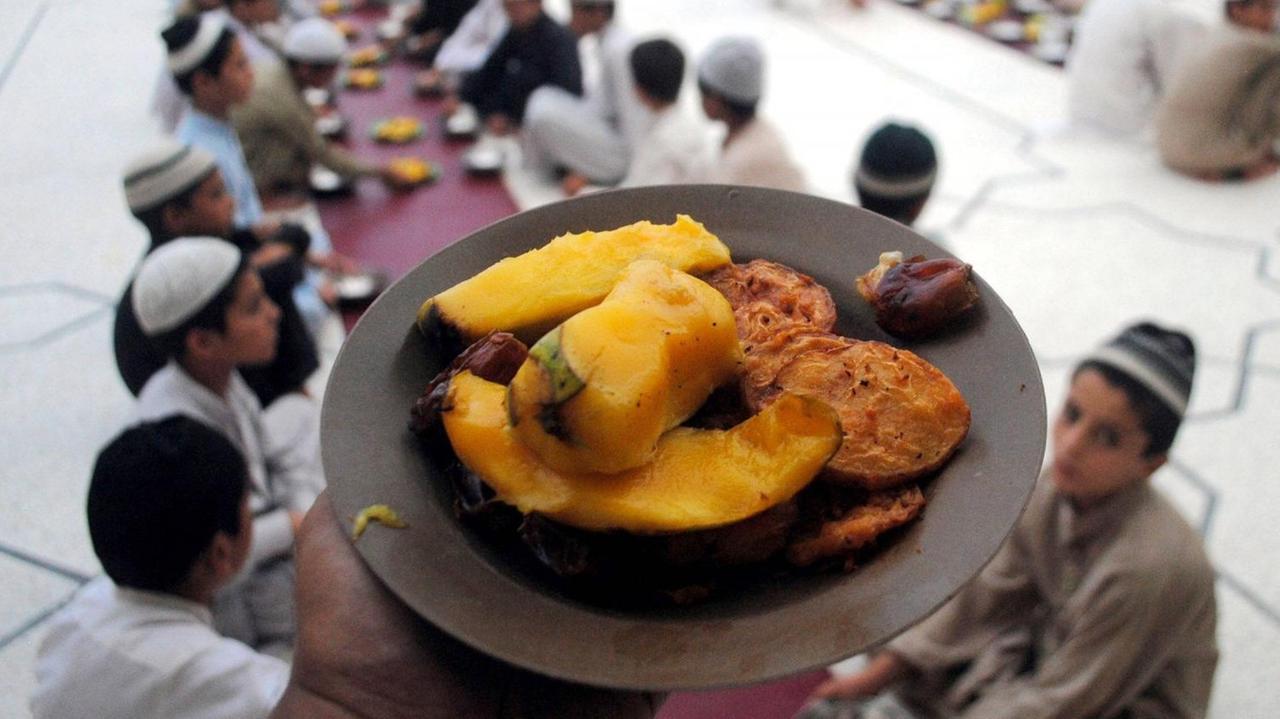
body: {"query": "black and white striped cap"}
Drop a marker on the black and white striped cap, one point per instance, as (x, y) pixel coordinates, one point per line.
(1163, 361)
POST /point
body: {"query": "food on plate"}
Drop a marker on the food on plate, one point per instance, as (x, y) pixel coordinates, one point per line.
(740, 472)
(380, 513)
(852, 528)
(918, 298)
(666, 434)
(768, 297)
(365, 78)
(596, 393)
(530, 294)
(367, 56)
(397, 129)
(412, 170)
(902, 417)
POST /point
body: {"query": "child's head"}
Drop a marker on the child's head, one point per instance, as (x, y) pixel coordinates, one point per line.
(313, 48)
(201, 303)
(657, 67)
(590, 16)
(168, 503)
(207, 61)
(1257, 15)
(175, 190)
(1123, 408)
(254, 12)
(731, 79)
(522, 14)
(895, 172)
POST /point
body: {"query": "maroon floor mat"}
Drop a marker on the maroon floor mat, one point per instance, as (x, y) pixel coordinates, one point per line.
(773, 700)
(394, 231)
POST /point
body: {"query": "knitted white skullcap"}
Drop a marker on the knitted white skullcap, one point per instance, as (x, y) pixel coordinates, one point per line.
(163, 171)
(179, 279)
(188, 57)
(316, 41)
(734, 67)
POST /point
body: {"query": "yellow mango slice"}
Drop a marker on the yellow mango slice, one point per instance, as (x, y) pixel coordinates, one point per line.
(699, 478)
(529, 294)
(596, 393)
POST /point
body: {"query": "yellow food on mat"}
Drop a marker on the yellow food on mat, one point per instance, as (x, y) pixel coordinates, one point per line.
(364, 78)
(379, 513)
(398, 129)
(530, 294)
(699, 478)
(371, 55)
(596, 393)
(411, 169)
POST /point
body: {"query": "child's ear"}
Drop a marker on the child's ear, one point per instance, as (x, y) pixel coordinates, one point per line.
(174, 219)
(201, 342)
(221, 556)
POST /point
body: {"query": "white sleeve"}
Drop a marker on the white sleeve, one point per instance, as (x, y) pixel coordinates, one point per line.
(228, 681)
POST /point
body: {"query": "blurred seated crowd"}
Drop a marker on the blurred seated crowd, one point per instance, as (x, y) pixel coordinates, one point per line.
(196, 509)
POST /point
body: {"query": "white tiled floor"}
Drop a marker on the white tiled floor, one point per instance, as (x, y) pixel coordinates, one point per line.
(1079, 235)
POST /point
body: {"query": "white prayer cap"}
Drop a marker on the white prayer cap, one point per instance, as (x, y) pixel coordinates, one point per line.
(734, 67)
(183, 60)
(179, 279)
(316, 41)
(163, 171)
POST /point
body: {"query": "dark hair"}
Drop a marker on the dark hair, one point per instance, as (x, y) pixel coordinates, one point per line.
(743, 111)
(180, 33)
(1158, 420)
(213, 316)
(609, 7)
(658, 69)
(900, 209)
(153, 218)
(160, 492)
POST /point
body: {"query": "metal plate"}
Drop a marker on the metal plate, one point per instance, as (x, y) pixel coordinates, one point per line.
(505, 606)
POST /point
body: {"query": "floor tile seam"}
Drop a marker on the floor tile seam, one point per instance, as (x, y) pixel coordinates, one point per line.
(36, 620)
(1200, 484)
(48, 565)
(27, 34)
(939, 91)
(1244, 373)
(1134, 211)
(56, 287)
(1245, 592)
(50, 336)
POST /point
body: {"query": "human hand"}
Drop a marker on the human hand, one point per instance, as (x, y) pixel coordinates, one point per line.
(295, 521)
(269, 254)
(361, 653)
(265, 230)
(884, 669)
(572, 184)
(498, 125)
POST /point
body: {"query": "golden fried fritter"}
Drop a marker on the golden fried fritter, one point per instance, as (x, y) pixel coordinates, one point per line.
(858, 527)
(768, 297)
(902, 417)
(762, 361)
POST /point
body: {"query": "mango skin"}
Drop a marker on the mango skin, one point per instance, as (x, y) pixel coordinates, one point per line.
(530, 294)
(698, 479)
(596, 393)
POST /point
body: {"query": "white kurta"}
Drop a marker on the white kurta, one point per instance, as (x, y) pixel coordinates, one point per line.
(480, 30)
(677, 149)
(116, 653)
(758, 157)
(591, 135)
(1122, 58)
(258, 609)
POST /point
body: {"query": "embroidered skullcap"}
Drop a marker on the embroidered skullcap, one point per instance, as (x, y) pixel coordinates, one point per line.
(188, 57)
(163, 171)
(1163, 361)
(316, 41)
(734, 68)
(898, 161)
(179, 279)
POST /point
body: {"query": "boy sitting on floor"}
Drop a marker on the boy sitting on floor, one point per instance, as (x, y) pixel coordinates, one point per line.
(176, 190)
(1101, 602)
(169, 517)
(198, 299)
(677, 149)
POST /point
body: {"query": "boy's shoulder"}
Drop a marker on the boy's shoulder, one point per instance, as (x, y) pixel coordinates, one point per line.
(1161, 548)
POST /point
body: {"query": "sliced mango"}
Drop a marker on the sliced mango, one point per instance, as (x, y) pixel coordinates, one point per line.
(699, 478)
(530, 294)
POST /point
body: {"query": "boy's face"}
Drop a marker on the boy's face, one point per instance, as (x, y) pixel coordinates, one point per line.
(252, 325)
(236, 80)
(1258, 15)
(522, 13)
(1099, 444)
(210, 212)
